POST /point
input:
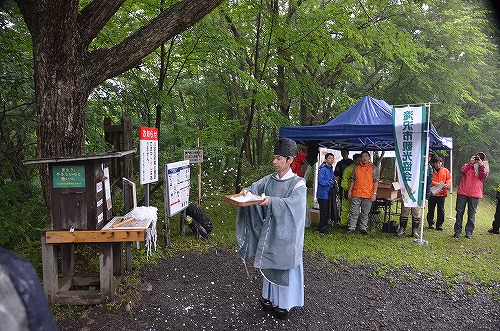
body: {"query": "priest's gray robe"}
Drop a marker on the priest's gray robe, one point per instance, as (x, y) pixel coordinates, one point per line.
(274, 235)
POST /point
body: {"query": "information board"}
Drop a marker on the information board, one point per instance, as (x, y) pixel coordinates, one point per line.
(148, 152)
(68, 176)
(176, 190)
(193, 155)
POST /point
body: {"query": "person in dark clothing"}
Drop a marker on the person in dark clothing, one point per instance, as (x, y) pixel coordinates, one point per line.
(339, 171)
(23, 305)
(495, 226)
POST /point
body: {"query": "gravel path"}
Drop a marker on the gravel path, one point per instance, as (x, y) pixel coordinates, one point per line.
(211, 291)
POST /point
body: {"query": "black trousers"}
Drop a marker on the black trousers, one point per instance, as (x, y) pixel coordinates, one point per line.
(324, 214)
(433, 202)
(496, 223)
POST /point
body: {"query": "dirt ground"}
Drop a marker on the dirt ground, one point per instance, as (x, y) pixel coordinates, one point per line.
(211, 291)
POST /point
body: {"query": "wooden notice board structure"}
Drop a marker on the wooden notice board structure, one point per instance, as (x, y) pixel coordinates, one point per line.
(81, 213)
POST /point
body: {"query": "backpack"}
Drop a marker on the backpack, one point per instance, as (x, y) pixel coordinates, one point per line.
(198, 221)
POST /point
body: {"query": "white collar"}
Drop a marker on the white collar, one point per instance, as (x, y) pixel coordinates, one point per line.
(289, 174)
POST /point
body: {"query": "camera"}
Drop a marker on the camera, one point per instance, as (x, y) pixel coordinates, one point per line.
(476, 158)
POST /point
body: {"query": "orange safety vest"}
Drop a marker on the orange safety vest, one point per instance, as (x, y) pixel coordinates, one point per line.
(363, 177)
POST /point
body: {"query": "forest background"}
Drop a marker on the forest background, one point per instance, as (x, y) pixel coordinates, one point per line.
(238, 75)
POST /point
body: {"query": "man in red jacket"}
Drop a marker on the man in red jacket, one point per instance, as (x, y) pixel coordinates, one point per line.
(441, 182)
(469, 192)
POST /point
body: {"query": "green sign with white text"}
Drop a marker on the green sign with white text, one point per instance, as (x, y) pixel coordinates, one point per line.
(68, 176)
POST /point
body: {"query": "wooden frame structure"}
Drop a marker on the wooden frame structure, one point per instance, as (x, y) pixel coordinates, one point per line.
(100, 288)
(81, 214)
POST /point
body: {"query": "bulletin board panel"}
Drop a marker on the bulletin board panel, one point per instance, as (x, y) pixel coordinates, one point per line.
(176, 187)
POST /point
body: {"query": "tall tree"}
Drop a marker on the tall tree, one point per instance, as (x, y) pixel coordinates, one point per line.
(67, 69)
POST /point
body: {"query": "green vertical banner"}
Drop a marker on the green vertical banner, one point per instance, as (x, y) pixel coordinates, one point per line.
(410, 137)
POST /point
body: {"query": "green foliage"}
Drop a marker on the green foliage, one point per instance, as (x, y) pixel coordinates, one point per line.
(329, 55)
(325, 55)
(22, 217)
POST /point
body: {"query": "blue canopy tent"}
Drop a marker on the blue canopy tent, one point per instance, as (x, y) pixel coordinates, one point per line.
(367, 125)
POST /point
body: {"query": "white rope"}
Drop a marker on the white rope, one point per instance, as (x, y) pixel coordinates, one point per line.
(144, 214)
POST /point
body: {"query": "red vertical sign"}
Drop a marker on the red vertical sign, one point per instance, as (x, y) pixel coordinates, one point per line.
(148, 140)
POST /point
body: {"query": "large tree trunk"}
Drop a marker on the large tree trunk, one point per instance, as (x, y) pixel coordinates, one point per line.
(65, 70)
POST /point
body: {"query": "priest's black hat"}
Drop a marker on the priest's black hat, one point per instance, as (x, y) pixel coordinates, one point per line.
(285, 147)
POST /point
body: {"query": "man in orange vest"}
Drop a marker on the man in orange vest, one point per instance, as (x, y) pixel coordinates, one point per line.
(362, 192)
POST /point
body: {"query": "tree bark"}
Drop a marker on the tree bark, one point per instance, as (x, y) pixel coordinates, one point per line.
(66, 71)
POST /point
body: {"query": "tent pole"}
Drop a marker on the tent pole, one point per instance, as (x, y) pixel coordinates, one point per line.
(450, 217)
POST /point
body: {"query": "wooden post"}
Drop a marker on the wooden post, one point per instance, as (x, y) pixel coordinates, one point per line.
(68, 260)
(118, 261)
(49, 266)
(120, 136)
(183, 221)
(106, 272)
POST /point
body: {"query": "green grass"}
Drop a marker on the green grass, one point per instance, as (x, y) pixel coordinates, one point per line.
(473, 262)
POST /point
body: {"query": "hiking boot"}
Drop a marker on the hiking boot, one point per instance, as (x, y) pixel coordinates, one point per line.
(414, 228)
(403, 223)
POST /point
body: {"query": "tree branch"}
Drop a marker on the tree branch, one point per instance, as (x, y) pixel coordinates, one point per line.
(93, 17)
(107, 63)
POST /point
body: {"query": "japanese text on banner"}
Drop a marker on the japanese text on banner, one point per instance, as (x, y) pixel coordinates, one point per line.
(409, 143)
(148, 143)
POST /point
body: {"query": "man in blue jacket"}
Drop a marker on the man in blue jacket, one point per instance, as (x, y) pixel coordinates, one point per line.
(326, 182)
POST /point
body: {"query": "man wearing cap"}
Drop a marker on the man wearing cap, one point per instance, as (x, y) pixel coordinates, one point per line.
(440, 183)
(469, 192)
(272, 232)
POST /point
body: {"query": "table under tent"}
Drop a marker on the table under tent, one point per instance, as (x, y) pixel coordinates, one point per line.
(367, 125)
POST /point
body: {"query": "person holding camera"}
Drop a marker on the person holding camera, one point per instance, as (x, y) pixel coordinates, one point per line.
(470, 191)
